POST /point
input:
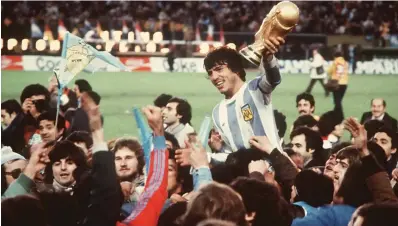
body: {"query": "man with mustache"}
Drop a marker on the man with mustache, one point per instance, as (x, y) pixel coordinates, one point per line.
(378, 112)
(247, 109)
(305, 104)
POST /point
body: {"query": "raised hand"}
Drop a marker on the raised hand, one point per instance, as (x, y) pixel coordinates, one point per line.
(27, 105)
(93, 112)
(272, 44)
(155, 119)
(198, 157)
(359, 134)
(183, 155)
(38, 160)
(262, 143)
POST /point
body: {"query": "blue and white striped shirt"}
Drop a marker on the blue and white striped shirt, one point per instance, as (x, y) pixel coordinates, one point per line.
(249, 112)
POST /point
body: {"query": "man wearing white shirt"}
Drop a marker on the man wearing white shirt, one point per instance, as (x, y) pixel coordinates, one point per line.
(318, 73)
(177, 116)
(246, 110)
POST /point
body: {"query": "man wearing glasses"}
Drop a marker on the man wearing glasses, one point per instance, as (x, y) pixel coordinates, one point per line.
(12, 164)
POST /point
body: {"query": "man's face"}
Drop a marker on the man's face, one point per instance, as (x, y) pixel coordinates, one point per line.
(15, 167)
(77, 91)
(170, 116)
(339, 170)
(172, 182)
(338, 130)
(385, 142)
(329, 166)
(300, 146)
(63, 171)
(126, 163)
(6, 118)
(48, 131)
(32, 109)
(377, 108)
(304, 107)
(224, 79)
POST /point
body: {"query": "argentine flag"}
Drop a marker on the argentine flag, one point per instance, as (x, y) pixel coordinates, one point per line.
(77, 55)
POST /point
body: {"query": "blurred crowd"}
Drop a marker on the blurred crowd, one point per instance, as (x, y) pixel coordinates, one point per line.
(178, 20)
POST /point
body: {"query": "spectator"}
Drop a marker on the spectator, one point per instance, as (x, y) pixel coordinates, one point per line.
(177, 117)
(9, 111)
(378, 112)
(309, 144)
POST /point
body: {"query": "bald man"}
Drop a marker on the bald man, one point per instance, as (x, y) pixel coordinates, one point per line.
(378, 112)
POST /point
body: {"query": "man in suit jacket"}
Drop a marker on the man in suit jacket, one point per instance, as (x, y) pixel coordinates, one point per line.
(378, 112)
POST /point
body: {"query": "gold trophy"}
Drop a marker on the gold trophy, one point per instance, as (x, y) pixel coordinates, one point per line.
(282, 18)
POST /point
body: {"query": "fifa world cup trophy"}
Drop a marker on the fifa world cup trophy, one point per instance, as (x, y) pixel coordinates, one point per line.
(282, 18)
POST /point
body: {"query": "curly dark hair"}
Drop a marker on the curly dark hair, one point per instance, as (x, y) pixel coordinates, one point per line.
(135, 146)
(35, 90)
(226, 56)
(183, 108)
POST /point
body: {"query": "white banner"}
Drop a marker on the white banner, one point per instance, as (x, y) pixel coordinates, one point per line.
(160, 64)
(374, 67)
(192, 65)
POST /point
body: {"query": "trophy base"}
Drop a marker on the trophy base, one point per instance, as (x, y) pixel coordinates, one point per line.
(251, 55)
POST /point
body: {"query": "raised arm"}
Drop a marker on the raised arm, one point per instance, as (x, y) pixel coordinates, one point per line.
(270, 76)
(150, 203)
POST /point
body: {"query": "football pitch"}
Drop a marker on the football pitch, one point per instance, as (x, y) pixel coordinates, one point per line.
(122, 91)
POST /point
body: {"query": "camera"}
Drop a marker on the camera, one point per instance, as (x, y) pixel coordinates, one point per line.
(41, 105)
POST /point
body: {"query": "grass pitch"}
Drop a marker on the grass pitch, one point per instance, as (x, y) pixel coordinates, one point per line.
(121, 92)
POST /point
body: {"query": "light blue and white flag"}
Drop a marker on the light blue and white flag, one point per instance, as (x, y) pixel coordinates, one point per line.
(145, 135)
(204, 131)
(76, 56)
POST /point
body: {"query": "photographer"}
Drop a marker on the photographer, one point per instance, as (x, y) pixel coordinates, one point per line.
(22, 131)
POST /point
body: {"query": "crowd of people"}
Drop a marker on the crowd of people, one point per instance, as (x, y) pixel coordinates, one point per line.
(59, 170)
(178, 20)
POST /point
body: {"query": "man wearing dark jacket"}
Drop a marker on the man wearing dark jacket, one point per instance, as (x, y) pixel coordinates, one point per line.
(22, 131)
(378, 112)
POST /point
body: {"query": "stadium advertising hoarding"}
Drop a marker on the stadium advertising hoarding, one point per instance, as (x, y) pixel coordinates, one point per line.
(192, 65)
(11, 63)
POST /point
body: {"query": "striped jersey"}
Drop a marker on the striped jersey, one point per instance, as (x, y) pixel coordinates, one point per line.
(249, 112)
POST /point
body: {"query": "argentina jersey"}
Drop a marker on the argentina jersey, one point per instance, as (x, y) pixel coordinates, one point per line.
(248, 113)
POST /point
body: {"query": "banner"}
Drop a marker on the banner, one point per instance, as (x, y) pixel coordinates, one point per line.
(136, 63)
(192, 65)
(374, 67)
(49, 63)
(40, 63)
(11, 63)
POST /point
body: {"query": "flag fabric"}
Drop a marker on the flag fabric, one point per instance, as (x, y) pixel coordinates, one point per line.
(98, 28)
(35, 29)
(145, 135)
(197, 33)
(48, 33)
(61, 30)
(137, 31)
(210, 32)
(76, 55)
(125, 29)
(222, 38)
(204, 130)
